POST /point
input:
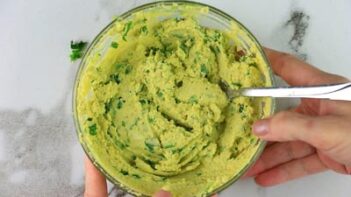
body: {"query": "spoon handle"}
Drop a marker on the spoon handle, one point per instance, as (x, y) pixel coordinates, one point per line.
(340, 91)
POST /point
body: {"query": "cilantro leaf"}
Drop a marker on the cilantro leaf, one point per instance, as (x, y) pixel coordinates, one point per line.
(92, 129)
(77, 49)
(114, 45)
(126, 29)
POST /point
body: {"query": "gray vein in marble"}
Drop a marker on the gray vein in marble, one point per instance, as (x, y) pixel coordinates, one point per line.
(116, 192)
(299, 20)
(38, 150)
(38, 147)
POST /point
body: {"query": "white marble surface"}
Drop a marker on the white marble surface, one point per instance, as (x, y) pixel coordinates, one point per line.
(39, 152)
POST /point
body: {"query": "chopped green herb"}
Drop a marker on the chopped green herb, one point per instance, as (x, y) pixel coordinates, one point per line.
(151, 51)
(89, 119)
(126, 29)
(254, 64)
(119, 65)
(243, 58)
(217, 36)
(203, 70)
(109, 133)
(193, 99)
(108, 106)
(143, 88)
(144, 30)
(144, 101)
(125, 173)
(159, 93)
(184, 48)
(123, 123)
(136, 176)
(238, 140)
(168, 146)
(166, 50)
(92, 129)
(215, 49)
(78, 45)
(77, 49)
(114, 45)
(151, 120)
(120, 103)
(178, 150)
(120, 144)
(179, 36)
(186, 45)
(179, 84)
(178, 19)
(151, 163)
(176, 100)
(241, 107)
(239, 85)
(128, 70)
(150, 145)
(163, 178)
(75, 55)
(115, 78)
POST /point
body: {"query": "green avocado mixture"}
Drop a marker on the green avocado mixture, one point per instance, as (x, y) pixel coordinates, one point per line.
(152, 113)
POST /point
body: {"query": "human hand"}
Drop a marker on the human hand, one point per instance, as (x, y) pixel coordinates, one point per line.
(95, 182)
(311, 138)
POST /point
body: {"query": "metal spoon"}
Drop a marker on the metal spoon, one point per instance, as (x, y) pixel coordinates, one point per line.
(341, 91)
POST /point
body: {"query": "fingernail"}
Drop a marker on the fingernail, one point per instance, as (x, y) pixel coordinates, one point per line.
(260, 127)
(162, 193)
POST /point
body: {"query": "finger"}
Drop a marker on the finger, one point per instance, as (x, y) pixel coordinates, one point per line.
(163, 193)
(270, 143)
(95, 182)
(291, 170)
(297, 72)
(327, 133)
(324, 107)
(280, 153)
(332, 164)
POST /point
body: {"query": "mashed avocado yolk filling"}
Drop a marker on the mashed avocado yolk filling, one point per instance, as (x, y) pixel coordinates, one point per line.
(151, 111)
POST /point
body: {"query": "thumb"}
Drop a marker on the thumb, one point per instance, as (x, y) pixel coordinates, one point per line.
(163, 193)
(322, 132)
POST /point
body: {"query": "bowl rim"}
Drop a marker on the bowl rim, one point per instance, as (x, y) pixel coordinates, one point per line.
(125, 15)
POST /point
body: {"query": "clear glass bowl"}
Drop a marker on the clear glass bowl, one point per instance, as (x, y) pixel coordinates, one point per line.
(214, 18)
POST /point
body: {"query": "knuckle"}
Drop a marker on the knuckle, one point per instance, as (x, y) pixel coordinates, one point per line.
(309, 124)
(301, 149)
(324, 141)
(284, 59)
(279, 121)
(281, 117)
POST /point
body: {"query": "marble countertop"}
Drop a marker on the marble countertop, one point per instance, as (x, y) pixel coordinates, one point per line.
(39, 151)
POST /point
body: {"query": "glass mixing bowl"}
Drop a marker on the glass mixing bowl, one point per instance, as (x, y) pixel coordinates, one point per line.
(212, 18)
